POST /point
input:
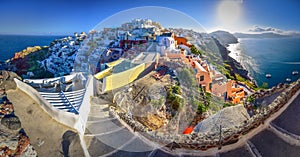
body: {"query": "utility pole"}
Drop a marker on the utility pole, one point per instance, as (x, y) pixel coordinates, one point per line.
(220, 138)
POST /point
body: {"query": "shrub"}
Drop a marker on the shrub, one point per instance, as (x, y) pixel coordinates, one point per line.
(176, 90)
(226, 104)
(201, 108)
(251, 99)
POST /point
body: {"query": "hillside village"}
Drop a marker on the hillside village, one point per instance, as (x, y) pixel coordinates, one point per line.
(128, 59)
(184, 65)
(178, 45)
(175, 86)
(143, 51)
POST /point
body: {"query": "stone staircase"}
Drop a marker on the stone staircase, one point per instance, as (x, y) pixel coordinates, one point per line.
(105, 135)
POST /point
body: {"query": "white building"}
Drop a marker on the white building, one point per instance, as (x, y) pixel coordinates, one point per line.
(165, 45)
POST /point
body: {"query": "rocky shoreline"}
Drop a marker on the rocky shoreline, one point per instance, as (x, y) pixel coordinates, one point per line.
(222, 41)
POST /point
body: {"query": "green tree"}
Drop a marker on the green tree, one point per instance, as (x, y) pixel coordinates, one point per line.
(176, 103)
(195, 51)
(227, 104)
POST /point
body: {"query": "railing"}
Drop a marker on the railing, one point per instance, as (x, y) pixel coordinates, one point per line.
(69, 101)
(70, 104)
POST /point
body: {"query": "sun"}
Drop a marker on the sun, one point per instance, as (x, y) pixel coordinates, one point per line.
(229, 13)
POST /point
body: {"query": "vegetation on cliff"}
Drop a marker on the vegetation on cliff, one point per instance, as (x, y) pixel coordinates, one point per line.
(217, 54)
(28, 59)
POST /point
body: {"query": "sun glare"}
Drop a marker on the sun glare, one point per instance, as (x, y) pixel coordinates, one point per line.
(229, 13)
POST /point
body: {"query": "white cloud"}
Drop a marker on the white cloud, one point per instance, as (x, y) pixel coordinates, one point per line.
(259, 29)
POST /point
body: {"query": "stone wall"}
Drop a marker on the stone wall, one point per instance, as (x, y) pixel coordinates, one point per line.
(267, 92)
(204, 141)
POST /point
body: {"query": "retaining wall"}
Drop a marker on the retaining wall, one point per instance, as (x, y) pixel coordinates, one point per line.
(204, 141)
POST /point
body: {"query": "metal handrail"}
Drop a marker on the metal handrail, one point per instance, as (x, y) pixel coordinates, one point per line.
(76, 111)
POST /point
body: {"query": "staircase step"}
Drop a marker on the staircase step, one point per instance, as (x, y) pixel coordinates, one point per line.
(116, 139)
(102, 127)
(99, 114)
(92, 119)
(98, 108)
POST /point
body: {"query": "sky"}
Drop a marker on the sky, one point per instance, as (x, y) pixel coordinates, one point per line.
(66, 17)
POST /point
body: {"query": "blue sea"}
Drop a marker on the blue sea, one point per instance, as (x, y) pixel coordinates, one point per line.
(9, 44)
(276, 56)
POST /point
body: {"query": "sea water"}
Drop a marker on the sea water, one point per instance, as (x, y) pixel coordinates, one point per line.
(276, 56)
(9, 44)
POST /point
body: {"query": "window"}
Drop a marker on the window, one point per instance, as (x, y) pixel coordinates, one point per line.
(201, 78)
(196, 71)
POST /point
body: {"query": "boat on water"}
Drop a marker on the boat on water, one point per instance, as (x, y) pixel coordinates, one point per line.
(295, 72)
(268, 75)
(288, 80)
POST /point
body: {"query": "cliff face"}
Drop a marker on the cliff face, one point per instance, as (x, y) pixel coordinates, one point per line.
(235, 66)
(218, 41)
(224, 38)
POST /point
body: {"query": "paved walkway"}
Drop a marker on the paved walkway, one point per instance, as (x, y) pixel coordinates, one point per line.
(270, 140)
(45, 133)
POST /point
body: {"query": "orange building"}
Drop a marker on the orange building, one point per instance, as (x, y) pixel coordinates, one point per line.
(181, 41)
(202, 76)
(228, 90)
(234, 93)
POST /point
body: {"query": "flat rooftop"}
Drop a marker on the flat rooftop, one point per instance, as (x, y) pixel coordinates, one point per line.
(145, 57)
(123, 66)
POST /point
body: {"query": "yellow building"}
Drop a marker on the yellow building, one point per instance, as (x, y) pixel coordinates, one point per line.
(121, 79)
(123, 72)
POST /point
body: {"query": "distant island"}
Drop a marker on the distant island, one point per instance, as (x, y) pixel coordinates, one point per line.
(268, 32)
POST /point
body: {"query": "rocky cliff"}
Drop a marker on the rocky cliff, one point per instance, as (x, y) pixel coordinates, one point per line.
(13, 139)
(236, 67)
